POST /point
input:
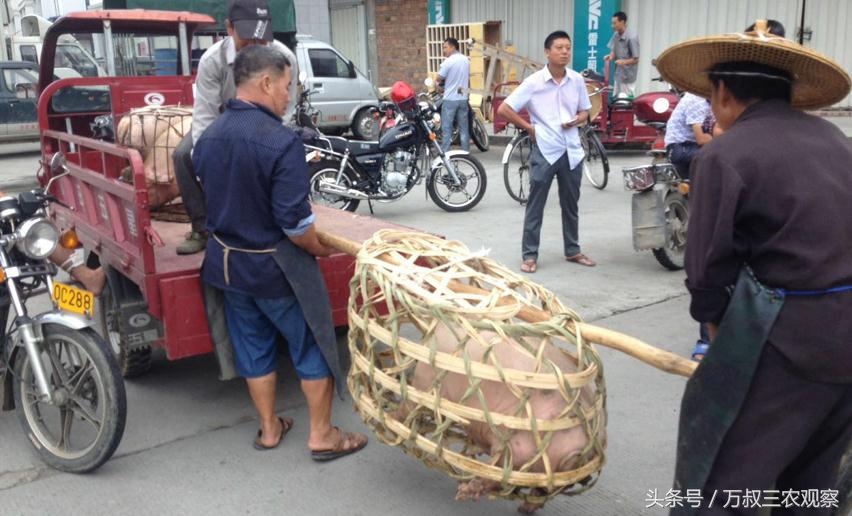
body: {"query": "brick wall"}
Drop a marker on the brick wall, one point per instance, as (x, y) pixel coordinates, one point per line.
(401, 41)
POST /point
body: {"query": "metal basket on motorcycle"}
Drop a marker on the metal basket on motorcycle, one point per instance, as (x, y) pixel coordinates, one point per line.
(645, 177)
(155, 131)
(511, 409)
(404, 96)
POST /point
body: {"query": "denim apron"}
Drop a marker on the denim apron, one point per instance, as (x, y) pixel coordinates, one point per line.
(303, 274)
(716, 392)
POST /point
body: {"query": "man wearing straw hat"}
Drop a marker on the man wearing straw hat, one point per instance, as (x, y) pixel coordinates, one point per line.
(769, 268)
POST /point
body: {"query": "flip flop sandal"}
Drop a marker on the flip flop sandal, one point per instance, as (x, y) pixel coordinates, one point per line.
(581, 259)
(529, 266)
(338, 450)
(286, 425)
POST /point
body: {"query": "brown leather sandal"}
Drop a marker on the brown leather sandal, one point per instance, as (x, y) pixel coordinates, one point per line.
(581, 259)
(286, 425)
(347, 444)
(529, 266)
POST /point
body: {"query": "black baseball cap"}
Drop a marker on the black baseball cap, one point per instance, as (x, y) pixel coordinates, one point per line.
(250, 19)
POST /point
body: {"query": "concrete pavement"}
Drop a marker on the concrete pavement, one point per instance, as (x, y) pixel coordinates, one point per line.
(187, 445)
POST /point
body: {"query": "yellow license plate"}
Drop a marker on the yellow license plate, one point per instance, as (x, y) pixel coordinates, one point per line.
(74, 299)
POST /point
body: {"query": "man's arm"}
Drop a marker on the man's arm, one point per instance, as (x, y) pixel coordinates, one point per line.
(701, 138)
(208, 87)
(310, 242)
(515, 102)
(712, 260)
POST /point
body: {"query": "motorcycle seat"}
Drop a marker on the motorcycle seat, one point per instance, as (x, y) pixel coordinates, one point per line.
(355, 147)
(593, 75)
(622, 103)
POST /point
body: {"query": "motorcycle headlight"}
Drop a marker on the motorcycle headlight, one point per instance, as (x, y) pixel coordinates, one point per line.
(436, 119)
(37, 238)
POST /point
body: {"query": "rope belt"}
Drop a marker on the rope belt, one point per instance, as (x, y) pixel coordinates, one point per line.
(834, 290)
(228, 249)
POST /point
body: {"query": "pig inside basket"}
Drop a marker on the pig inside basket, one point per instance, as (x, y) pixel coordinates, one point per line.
(568, 449)
(155, 131)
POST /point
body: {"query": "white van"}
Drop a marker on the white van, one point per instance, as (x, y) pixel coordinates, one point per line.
(344, 95)
(72, 60)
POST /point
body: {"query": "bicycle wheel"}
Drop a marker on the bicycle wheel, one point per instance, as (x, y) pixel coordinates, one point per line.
(596, 164)
(516, 167)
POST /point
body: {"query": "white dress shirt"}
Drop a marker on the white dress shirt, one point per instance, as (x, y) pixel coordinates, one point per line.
(550, 104)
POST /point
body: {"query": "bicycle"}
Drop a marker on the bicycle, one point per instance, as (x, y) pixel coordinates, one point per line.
(516, 167)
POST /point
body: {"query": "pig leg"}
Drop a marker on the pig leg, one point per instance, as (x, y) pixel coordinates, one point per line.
(474, 489)
(530, 507)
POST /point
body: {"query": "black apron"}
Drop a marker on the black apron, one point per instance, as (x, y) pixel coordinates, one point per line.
(302, 272)
(715, 394)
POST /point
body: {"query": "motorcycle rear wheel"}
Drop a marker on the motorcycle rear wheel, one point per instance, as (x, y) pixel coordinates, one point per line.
(88, 394)
(470, 171)
(677, 221)
(478, 134)
(327, 169)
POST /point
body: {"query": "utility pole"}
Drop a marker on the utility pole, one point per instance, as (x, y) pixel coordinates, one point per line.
(4, 19)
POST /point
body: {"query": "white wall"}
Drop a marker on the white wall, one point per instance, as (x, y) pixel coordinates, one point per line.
(312, 18)
(525, 22)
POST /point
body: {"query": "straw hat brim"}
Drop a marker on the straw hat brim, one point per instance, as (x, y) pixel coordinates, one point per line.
(818, 81)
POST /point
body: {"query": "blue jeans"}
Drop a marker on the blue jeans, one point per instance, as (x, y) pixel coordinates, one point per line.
(455, 111)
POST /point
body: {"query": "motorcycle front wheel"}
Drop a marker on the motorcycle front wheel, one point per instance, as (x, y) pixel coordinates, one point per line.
(82, 427)
(677, 221)
(327, 170)
(461, 196)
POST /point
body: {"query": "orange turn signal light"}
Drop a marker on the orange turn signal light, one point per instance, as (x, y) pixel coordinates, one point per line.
(2, 275)
(432, 137)
(683, 188)
(69, 240)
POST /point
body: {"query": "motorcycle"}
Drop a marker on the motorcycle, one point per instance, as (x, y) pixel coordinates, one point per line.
(345, 172)
(57, 373)
(660, 206)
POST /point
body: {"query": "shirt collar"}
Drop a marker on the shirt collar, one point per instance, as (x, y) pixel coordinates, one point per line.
(762, 108)
(244, 105)
(624, 35)
(549, 76)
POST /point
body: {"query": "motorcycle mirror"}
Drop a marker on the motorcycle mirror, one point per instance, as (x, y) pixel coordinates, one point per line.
(303, 77)
(57, 163)
(58, 168)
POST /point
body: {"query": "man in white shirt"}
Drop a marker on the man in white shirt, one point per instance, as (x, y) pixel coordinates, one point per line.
(558, 104)
(249, 23)
(454, 77)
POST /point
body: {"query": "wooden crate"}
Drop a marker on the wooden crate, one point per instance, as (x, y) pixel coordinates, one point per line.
(488, 32)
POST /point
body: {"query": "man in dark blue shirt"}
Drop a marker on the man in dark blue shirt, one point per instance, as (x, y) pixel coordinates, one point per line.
(256, 190)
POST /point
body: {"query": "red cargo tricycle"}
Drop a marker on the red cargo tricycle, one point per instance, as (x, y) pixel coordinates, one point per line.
(626, 122)
(154, 297)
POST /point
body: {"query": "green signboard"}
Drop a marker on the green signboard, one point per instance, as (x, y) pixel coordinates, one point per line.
(283, 12)
(439, 11)
(592, 31)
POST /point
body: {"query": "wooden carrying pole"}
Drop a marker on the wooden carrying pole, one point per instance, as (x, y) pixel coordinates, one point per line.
(661, 359)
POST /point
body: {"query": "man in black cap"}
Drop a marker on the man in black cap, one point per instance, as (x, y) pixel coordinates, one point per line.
(248, 23)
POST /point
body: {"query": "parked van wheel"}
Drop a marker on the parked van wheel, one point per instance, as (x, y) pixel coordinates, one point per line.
(364, 126)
